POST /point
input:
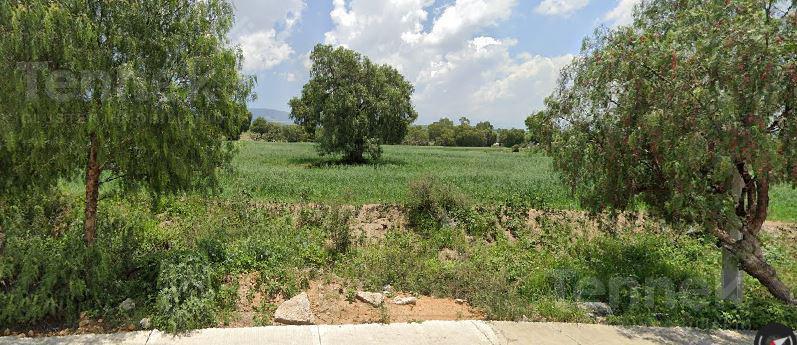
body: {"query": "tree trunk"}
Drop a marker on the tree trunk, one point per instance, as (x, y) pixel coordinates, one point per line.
(748, 250)
(356, 156)
(92, 192)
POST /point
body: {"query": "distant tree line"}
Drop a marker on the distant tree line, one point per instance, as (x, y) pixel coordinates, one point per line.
(445, 133)
(264, 130)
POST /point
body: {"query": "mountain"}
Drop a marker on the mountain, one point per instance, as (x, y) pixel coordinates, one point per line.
(271, 115)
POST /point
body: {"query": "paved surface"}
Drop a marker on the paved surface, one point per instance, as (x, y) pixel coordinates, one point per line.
(426, 333)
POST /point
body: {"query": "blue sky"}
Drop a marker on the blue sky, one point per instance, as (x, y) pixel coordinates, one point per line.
(492, 60)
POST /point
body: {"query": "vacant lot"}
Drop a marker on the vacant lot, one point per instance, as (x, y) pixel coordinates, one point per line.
(464, 242)
(294, 173)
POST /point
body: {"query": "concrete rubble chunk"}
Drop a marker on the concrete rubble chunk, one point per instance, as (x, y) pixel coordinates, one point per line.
(596, 309)
(405, 300)
(373, 298)
(295, 311)
(127, 305)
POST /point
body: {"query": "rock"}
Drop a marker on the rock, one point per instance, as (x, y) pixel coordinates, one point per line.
(524, 318)
(460, 301)
(127, 305)
(373, 298)
(131, 327)
(405, 300)
(31, 334)
(596, 309)
(295, 311)
(387, 290)
(84, 323)
(7, 332)
(145, 323)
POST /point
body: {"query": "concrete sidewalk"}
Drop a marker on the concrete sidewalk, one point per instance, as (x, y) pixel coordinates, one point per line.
(430, 332)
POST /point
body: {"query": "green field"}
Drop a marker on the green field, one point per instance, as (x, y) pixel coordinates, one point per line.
(295, 173)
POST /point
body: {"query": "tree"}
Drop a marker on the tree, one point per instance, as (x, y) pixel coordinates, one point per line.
(265, 130)
(140, 91)
(690, 110)
(541, 129)
(352, 104)
(466, 135)
(488, 133)
(511, 137)
(417, 135)
(442, 132)
(294, 134)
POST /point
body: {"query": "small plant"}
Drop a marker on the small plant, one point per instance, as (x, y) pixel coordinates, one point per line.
(336, 227)
(433, 204)
(187, 293)
(384, 314)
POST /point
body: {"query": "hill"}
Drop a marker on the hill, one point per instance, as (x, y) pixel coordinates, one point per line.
(271, 115)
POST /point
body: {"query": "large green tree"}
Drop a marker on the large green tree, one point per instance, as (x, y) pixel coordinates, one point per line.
(143, 92)
(690, 110)
(352, 104)
(443, 132)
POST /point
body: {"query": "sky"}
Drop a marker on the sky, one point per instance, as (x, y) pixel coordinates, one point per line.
(488, 60)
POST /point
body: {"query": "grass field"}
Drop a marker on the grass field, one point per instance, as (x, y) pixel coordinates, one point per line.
(295, 173)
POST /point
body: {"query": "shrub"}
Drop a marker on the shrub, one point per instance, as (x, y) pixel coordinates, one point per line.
(433, 204)
(47, 273)
(336, 228)
(187, 293)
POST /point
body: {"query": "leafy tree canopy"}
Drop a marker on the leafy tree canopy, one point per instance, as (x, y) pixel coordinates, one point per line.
(352, 104)
(689, 110)
(142, 91)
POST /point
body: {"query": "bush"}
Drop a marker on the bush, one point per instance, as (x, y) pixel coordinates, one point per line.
(48, 274)
(433, 204)
(187, 293)
(336, 227)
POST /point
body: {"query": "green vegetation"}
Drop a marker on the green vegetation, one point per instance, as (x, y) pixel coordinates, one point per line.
(444, 133)
(670, 136)
(294, 173)
(665, 113)
(146, 94)
(264, 130)
(181, 263)
(352, 106)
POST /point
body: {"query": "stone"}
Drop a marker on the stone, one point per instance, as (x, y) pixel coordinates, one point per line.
(596, 309)
(295, 311)
(405, 300)
(127, 305)
(373, 298)
(460, 301)
(387, 290)
(7, 332)
(145, 323)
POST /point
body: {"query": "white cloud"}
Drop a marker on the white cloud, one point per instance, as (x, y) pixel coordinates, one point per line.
(560, 7)
(623, 13)
(262, 51)
(456, 69)
(262, 29)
